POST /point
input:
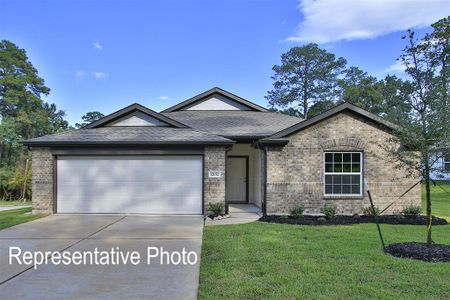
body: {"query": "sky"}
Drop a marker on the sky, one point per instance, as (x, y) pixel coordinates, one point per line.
(104, 55)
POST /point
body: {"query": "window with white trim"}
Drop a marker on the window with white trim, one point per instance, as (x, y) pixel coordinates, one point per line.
(446, 162)
(343, 173)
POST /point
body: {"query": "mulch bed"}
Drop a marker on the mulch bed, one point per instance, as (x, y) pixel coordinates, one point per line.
(421, 251)
(348, 220)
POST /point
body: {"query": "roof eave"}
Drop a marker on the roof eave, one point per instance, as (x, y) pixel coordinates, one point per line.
(272, 142)
(332, 112)
(129, 109)
(124, 143)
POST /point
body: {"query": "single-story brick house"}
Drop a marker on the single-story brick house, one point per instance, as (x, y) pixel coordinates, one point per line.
(218, 147)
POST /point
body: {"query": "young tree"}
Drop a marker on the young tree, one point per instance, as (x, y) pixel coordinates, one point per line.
(88, 118)
(306, 75)
(424, 128)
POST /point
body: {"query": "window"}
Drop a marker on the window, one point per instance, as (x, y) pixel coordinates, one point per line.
(446, 162)
(343, 173)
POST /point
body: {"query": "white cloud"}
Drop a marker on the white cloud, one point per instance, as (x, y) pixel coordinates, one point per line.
(82, 74)
(164, 97)
(98, 46)
(395, 68)
(100, 75)
(327, 21)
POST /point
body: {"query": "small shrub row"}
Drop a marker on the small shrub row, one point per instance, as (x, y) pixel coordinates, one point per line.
(330, 212)
(408, 211)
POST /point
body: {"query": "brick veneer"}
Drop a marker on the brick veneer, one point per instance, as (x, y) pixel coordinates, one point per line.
(295, 171)
(42, 178)
(214, 188)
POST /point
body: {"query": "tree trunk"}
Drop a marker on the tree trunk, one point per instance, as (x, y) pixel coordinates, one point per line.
(428, 198)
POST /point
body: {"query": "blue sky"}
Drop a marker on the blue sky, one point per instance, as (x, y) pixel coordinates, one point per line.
(104, 55)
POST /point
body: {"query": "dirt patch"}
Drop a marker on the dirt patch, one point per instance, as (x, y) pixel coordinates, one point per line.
(356, 219)
(420, 251)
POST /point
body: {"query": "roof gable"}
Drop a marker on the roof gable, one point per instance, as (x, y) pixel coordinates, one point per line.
(346, 106)
(216, 99)
(137, 118)
(135, 115)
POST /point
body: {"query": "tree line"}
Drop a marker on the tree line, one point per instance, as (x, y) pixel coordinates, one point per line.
(24, 115)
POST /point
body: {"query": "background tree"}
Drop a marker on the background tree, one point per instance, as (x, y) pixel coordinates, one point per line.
(321, 107)
(306, 75)
(23, 115)
(88, 118)
(357, 87)
(425, 125)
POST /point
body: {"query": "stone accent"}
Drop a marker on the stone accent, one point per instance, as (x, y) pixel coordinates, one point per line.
(295, 172)
(214, 188)
(42, 178)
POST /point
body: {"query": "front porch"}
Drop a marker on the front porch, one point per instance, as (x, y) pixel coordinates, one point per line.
(239, 214)
(243, 181)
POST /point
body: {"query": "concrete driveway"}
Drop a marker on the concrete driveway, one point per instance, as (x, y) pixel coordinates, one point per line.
(71, 233)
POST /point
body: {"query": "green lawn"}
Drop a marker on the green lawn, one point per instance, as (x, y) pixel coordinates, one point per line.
(262, 260)
(14, 203)
(440, 199)
(16, 216)
(275, 261)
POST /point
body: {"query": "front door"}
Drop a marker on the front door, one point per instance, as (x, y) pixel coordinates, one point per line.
(237, 179)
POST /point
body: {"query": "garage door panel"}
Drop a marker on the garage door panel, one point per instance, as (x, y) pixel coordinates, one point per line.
(130, 185)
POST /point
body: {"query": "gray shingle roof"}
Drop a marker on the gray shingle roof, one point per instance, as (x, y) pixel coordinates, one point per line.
(130, 135)
(235, 124)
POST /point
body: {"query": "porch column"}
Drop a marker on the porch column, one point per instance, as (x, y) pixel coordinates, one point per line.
(214, 184)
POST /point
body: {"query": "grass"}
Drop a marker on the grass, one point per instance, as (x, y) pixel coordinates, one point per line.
(16, 216)
(277, 261)
(440, 199)
(14, 203)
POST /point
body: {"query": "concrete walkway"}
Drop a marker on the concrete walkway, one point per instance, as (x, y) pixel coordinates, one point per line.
(71, 233)
(239, 214)
(5, 208)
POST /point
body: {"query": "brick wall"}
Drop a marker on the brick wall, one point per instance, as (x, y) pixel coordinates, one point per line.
(42, 178)
(214, 188)
(295, 172)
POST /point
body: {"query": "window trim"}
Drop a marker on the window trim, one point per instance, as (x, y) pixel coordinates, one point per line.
(360, 173)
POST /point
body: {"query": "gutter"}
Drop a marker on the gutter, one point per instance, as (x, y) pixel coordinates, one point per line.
(123, 143)
(271, 142)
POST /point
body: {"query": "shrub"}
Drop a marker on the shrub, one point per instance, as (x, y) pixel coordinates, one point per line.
(412, 211)
(297, 212)
(321, 220)
(329, 211)
(216, 208)
(369, 211)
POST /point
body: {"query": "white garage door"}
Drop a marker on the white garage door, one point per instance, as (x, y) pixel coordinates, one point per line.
(141, 184)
